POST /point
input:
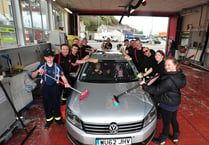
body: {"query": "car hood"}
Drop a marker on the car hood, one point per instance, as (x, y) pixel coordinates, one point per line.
(97, 106)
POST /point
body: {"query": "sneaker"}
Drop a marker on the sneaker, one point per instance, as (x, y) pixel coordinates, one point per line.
(60, 122)
(48, 123)
(174, 139)
(157, 141)
(160, 140)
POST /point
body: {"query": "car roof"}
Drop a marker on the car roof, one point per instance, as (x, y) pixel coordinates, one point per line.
(108, 55)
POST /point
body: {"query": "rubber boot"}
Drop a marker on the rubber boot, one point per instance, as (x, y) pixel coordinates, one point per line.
(174, 138)
(160, 140)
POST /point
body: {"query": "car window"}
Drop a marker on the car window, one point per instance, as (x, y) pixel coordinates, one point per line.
(108, 71)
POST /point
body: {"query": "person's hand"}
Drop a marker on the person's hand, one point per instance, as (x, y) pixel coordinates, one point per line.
(142, 82)
(140, 75)
(41, 71)
(67, 85)
(76, 74)
(93, 60)
(121, 48)
(93, 50)
(128, 57)
(86, 57)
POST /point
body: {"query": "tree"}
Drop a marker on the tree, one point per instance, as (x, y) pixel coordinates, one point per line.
(93, 22)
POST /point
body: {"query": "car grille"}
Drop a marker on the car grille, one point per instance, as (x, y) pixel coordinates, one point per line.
(104, 129)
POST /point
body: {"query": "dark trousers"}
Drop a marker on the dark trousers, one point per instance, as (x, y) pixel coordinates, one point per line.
(65, 91)
(51, 100)
(72, 80)
(169, 118)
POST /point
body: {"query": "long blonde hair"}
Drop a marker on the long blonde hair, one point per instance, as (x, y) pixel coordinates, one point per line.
(174, 60)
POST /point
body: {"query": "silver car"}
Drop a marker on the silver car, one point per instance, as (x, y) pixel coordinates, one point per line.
(96, 120)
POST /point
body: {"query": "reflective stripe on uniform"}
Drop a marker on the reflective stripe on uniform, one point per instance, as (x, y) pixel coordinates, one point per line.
(62, 96)
(64, 99)
(49, 119)
(57, 118)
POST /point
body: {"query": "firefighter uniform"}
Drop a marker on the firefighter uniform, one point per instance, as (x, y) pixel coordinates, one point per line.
(65, 63)
(51, 92)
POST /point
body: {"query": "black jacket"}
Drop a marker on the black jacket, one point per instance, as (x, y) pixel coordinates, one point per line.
(167, 90)
(64, 62)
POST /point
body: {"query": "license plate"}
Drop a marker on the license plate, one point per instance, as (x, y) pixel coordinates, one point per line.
(114, 141)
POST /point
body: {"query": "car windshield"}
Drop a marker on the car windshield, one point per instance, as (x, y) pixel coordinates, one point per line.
(108, 71)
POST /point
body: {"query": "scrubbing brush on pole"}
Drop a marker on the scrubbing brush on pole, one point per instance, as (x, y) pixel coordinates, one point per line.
(115, 98)
(83, 94)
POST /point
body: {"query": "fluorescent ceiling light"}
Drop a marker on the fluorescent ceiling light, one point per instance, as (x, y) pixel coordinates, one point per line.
(69, 11)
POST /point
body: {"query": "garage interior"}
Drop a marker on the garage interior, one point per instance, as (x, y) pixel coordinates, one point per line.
(193, 117)
(193, 114)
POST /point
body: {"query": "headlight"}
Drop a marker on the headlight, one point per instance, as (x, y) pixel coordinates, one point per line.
(73, 118)
(150, 117)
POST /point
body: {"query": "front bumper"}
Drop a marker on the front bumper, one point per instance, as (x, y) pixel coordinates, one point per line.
(79, 137)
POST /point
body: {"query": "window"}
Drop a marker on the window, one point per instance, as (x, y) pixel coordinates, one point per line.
(7, 28)
(35, 20)
(26, 15)
(29, 38)
(38, 35)
(108, 71)
(58, 17)
(44, 12)
(10, 11)
(36, 13)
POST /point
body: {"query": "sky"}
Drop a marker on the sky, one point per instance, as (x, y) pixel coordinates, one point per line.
(147, 24)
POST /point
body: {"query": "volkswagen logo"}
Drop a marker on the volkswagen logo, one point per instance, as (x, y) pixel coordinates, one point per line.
(113, 128)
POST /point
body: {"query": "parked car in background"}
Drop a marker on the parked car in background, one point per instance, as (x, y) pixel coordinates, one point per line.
(145, 40)
(156, 41)
(95, 120)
